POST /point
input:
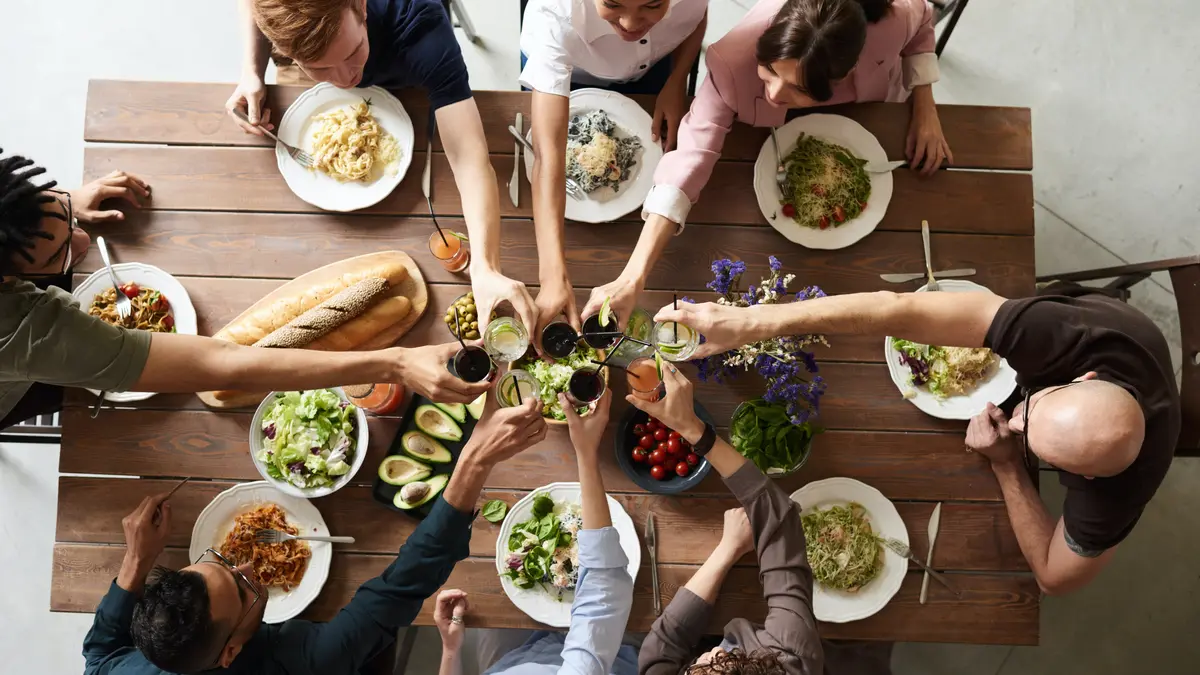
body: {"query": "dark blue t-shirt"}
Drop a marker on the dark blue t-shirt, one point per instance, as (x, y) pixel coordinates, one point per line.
(413, 45)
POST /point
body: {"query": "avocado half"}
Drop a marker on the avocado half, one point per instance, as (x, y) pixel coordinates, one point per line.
(476, 407)
(399, 470)
(424, 448)
(419, 492)
(456, 410)
(437, 423)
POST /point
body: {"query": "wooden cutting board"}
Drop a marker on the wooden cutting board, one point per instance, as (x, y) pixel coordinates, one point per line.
(413, 288)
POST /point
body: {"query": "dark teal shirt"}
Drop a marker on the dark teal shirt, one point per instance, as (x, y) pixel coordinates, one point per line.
(365, 627)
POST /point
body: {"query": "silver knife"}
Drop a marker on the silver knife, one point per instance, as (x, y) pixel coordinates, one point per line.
(514, 185)
(883, 167)
(651, 547)
(914, 276)
(934, 521)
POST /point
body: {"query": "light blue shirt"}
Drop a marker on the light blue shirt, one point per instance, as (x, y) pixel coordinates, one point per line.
(603, 599)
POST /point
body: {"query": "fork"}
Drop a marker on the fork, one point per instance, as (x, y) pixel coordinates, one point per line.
(573, 189)
(277, 537)
(124, 304)
(933, 283)
(901, 549)
(780, 170)
(302, 158)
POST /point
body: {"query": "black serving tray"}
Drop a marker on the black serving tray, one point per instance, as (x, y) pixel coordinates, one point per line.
(384, 493)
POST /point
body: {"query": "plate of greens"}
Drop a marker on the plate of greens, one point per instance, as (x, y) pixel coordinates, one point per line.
(855, 575)
(763, 434)
(308, 443)
(537, 555)
(554, 376)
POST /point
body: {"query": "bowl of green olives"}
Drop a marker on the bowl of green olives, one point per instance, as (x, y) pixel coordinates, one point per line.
(468, 321)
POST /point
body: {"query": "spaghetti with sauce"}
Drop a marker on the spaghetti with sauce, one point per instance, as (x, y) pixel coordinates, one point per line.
(151, 310)
(280, 565)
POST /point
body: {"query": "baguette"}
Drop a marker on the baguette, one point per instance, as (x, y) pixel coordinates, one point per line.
(248, 329)
(352, 334)
(327, 316)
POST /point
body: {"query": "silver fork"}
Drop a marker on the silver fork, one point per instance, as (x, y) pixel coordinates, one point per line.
(780, 170)
(124, 304)
(302, 158)
(901, 549)
(277, 537)
(933, 283)
(573, 188)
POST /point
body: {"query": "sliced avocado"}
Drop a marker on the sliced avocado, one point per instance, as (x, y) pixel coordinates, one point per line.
(419, 492)
(456, 410)
(399, 470)
(437, 423)
(424, 448)
(476, 407)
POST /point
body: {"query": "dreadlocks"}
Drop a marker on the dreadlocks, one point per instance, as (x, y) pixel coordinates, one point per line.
(21, 210)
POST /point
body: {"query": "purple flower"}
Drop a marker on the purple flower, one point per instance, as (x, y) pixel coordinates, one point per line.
(810, 292)
(774, 263)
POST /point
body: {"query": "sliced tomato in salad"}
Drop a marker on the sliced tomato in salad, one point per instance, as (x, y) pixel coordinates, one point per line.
(824, 222)
(789, 210)
(839, 214)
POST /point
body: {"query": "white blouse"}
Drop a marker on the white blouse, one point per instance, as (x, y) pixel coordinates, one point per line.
(565, 40)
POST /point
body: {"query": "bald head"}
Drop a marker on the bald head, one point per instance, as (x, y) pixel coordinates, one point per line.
(1091, 428)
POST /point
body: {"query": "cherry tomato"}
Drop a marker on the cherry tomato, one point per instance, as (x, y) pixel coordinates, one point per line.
(130, 290)
(662, 445)
(839, 214)
(654, 421)
(682, 469)
(658, 472)
(824, 222)
(674, 434)
(658, 457)
(818, 190)
(693, 459)
(159, 304)
(639, 430)
(862, 205)
(169, 322)
(646, 441)
(789, 210)
(639, 455)
(660, 434)
(674, 447)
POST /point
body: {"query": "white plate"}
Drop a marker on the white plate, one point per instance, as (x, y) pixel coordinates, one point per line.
(604, 205)
(535, 602)
(360, 451)
(216, 520)
(996, 389)
(834, 129)
(317, 188)
(839, 606)
(148, 276)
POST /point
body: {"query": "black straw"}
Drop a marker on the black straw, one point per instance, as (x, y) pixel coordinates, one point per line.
(604, 363)
(517, 384)
(435, 223)
(675, 306)
(458, 329)
(612, 351)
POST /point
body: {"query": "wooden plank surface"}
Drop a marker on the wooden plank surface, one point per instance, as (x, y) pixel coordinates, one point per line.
(194, 114)
(996, 609)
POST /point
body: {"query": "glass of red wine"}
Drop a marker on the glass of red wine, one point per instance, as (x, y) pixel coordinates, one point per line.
(601, 337)
(471, 364)
(559, 339)
(585, 386)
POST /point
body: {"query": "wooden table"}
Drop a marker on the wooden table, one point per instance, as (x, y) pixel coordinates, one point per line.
(225, 223)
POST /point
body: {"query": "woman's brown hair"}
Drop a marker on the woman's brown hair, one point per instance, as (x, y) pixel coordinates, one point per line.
(738, 662)
(825, 36)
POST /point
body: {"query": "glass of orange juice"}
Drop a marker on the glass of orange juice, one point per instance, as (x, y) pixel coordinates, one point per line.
(644, 381)
(450, 250)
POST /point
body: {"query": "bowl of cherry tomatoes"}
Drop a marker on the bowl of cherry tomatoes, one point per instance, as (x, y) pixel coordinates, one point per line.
(656, 457)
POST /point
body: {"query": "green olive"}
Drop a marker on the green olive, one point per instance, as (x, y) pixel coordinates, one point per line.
(472, 334)
(474, 325)
(469, 316)
(471, 294)
(448, 319)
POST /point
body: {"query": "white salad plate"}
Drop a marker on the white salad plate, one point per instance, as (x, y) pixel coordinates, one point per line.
(360, 450)
(604, 204)
(833, 129)
(840, 606)
(216, 520)
(146, 276)
(995, 389)
(319, 189)
(538, 603)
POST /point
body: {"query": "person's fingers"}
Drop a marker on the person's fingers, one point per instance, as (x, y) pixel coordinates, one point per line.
(139, 186)
(706, 350)
(538, 436)
(603, 404)
(571, 312)
(672, 132)
(656, 124)
(651, 408)
(527, 312)
(115, 192)
(918, 155)
(910, 146)
(673, 378)
(252, 107)
(164, 520)
(90, 216)
(933, 159)
(946, 150)
(568, 409)
(141, 508)
(264, 120)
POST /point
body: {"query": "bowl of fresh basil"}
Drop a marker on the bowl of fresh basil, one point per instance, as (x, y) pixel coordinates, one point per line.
(763, 434)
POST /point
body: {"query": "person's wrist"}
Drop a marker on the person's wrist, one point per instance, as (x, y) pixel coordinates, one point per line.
(1006, 465)
(691, 430)
(727, 553)
(397, 365)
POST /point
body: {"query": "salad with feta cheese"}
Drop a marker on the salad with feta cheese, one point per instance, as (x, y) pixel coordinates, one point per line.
(308, 438)
(543, 550)
(945, 371)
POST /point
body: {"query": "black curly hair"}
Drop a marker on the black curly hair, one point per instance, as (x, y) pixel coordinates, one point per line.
(172, 624)
(738, 662)
(21, 212)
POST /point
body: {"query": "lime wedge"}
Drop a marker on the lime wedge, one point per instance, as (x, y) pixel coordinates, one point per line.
(605, 312)
(460, 235)
(658, 363)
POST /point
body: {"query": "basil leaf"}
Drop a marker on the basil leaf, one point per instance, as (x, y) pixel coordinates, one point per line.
(494, 511)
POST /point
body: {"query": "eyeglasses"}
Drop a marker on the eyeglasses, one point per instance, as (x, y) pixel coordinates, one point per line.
(1025, 452)
(238, 577)
(64, 250)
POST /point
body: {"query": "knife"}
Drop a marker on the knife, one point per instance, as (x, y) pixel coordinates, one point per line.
(514, 185)
(652, 547)
(934, 521)
(426, 186)
(883, 167)
(914, 276)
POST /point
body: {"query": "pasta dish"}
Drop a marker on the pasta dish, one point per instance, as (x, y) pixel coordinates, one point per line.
(280, 565)
(348, 143)
(946, 371)
(596, 156)
(826, 185)
(843, 550)
(151, 311)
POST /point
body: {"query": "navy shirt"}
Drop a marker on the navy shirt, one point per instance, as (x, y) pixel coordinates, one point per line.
(413, 45)
(366, 626)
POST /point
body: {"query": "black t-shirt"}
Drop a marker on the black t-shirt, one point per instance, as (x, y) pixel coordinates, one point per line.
(1052, 339)
(413, 45)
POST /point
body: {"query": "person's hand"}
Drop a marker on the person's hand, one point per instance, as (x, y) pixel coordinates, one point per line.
(146, 531)
(505, 432)
(669, 109)
(554, 299)
(737, 538)
(491, 288)
(249, 96)
(586, 430)
(989, 435)
(676, 409)
(448, 615)
(723, 327)
(423, 370)
(926, 148)
(85, 201)
(623, 294)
